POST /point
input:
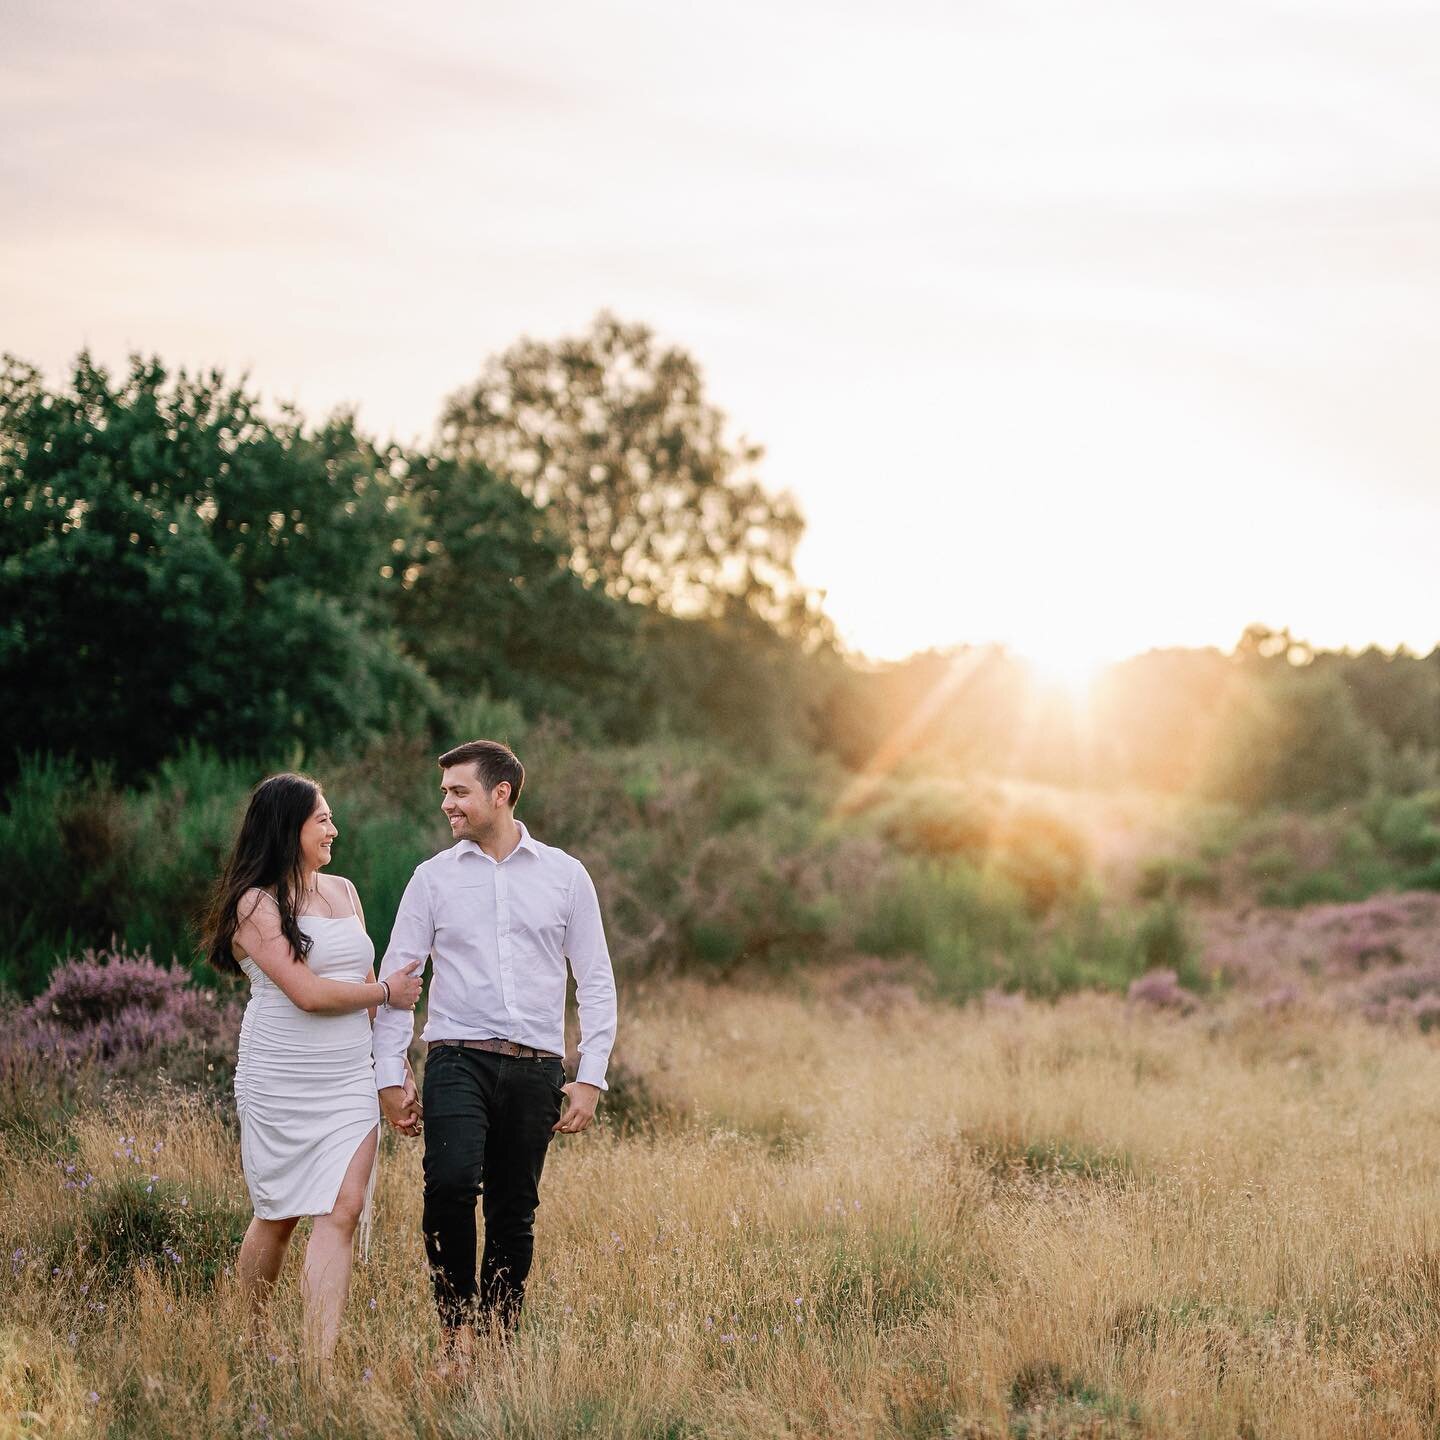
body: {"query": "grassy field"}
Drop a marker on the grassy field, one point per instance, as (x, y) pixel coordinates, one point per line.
(835, 1213)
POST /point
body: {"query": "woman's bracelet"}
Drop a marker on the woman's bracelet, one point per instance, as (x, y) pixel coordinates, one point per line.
(385, 986)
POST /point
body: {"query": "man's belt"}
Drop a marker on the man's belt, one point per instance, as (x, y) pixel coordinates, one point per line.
(501, 1047)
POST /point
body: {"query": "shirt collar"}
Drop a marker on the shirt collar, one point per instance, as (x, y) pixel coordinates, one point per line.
(527, 842)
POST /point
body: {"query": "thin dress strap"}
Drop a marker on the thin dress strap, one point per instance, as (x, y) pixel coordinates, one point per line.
(250, 915)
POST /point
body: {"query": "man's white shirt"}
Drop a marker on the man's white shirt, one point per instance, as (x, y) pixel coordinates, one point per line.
(499, 934)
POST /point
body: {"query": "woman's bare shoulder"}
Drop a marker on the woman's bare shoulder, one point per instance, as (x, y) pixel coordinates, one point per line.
(339, 893)
(253, 904)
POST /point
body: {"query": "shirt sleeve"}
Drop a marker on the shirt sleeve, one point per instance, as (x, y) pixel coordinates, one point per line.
(411, 938)
(589, 959)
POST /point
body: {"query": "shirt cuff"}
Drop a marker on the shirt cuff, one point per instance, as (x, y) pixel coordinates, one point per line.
(591, 1071)
(389, 1072)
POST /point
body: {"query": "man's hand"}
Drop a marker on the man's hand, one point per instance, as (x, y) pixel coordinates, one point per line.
(581, 1110)
(400, 1105)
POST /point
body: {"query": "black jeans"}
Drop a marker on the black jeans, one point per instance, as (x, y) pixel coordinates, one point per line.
(487, 1127)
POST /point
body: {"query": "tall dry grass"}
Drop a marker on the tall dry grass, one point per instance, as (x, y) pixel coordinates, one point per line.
(1024, 1220)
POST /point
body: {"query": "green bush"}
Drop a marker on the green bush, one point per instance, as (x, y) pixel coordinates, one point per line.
(178, 1230)
(1289, 857)
(974, 931)
(1039, 855)
(1272, 865)
(1171, 876)
(1425, 878)
(1292, 736)
(1161, 941)
(1406, 826)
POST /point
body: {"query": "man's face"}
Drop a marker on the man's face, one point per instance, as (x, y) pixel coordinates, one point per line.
(472, 810)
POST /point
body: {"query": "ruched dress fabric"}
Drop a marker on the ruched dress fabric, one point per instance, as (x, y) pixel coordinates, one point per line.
(305, 1083)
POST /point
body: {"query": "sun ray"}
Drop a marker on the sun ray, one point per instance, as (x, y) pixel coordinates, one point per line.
(904, 740)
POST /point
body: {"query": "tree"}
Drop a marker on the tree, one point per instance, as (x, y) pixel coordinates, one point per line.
(734, 679)
(1291, 738)
(176, 569)
(491, 603)
(1397, 695)
(611, 435)
(1156, 714)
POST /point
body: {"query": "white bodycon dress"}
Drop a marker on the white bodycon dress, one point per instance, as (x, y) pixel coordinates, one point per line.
(305, 1083)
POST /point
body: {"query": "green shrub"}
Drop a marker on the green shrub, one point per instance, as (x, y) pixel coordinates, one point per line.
(974, 931)
(1292, 736)
(1406, 826)
(178, 1230)
(934, 818)
(888, 1277)
(1038, 853)
(1272, 865)
(1045, 1401)
(1291, 858)
(915, 906)
(1009, 1155)
(1163, 942)
(1169, 876)
(1426, 878)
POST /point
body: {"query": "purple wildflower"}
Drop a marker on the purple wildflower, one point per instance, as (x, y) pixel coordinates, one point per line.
(119, 1008)
(1162, 990)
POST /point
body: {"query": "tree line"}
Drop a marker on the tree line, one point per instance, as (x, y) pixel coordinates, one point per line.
(584, 540)
(180, 568)
(1273, 722)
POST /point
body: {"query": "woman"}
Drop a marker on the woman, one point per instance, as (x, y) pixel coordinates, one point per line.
(305, 1083)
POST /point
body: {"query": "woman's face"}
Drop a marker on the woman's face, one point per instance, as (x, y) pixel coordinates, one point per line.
(317, 834)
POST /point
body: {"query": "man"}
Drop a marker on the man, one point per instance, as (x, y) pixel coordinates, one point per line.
(499, 914)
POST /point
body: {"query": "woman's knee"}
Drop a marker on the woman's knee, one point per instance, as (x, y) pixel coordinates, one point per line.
(350, 1202)
(344, 1219)
(347, 1210)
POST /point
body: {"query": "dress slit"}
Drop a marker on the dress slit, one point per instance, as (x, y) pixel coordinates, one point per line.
(366, 1212)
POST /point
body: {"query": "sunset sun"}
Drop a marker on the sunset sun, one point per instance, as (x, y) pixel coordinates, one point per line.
(1070, 668)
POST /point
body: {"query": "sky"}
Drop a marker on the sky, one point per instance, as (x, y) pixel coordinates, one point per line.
(1081, 327)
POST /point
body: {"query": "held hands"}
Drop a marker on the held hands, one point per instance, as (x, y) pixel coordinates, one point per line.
(400, 1105)
(405, 985)
(581, 1109)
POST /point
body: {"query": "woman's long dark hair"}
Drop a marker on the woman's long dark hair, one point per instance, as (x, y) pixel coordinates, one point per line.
(265, 856)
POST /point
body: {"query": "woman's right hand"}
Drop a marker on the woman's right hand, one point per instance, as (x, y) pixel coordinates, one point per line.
(405, 985)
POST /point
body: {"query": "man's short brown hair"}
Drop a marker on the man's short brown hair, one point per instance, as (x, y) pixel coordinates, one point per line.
(493, 763)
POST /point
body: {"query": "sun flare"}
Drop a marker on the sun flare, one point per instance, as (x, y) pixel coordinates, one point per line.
(1070, 669)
